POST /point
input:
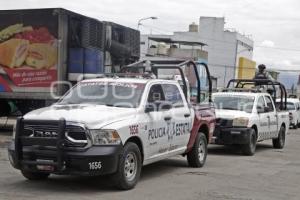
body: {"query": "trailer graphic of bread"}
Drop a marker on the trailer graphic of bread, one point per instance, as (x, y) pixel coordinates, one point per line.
(28, 53)
(23, 47)
(13, 52)
(41, 56)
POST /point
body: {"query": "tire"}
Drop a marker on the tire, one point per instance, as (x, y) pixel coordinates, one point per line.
(129, 169)
(298, 125)
(197, 156)
(249, 149)
(278, 143)
(34, 176)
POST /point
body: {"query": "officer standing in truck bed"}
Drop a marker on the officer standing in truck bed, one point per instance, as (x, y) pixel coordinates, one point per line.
(262, 73)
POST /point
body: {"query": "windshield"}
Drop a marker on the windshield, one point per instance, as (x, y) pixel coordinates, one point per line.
(291, 106)
(115, 94)
(242, 103)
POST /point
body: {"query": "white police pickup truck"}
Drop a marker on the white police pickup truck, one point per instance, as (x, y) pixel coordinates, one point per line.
(245, 117)
(111, 125)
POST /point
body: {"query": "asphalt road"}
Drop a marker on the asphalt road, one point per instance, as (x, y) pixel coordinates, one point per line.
(270, 174)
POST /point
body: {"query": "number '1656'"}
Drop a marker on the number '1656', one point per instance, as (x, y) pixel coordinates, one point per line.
(95, 165)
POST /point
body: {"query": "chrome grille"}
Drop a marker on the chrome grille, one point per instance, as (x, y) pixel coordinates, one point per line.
(76, 136)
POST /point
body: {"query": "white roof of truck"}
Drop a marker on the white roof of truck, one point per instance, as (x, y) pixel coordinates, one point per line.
(238, 94)
(128, 80)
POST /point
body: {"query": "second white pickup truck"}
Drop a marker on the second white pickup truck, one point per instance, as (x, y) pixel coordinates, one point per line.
(247, 117)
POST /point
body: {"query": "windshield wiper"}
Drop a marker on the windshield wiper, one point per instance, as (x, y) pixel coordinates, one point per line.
(228, 108)
(66, 103)
(119, 106)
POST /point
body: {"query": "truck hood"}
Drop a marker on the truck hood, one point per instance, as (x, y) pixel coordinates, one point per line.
(231, 114)
(93, 116)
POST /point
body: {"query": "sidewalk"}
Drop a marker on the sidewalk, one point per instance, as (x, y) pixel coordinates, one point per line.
(4, 139)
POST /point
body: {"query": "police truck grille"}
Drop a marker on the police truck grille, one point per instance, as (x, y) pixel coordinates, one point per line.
(76, 136)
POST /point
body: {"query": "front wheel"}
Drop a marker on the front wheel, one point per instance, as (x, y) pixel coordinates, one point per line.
(249, 149)
(279, 142)
(197, 156)
(34, 176)
(130, 165)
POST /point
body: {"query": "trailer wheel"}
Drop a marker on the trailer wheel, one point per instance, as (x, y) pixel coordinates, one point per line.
(278, 143)
(249, 149)
(130, 166)
(34, 176)
(197, 156)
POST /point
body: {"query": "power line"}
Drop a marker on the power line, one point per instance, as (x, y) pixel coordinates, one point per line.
(278, 48)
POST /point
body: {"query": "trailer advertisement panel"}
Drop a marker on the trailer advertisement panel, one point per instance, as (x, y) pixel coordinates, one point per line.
(28, 49)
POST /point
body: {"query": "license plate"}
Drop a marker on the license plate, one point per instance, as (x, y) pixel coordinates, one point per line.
(45, 167)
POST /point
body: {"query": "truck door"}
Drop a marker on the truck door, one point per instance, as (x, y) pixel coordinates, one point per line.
(263, 129)
(272, 118)
(156, 123)
(180, 124)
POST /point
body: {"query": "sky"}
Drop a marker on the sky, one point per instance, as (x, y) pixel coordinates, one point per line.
(274, 25)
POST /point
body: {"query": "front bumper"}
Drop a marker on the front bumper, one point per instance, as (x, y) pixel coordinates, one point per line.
(232, 135)
(79, 162)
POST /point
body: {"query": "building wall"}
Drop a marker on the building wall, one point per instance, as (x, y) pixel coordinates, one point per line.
(224, 48)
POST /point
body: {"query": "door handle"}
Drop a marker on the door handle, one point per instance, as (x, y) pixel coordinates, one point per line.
(167, 118)
(187, 115)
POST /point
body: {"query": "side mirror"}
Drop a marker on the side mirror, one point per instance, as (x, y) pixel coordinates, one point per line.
(149, 108)
(259, 109)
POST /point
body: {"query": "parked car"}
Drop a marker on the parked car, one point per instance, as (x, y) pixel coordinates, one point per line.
(293, 106)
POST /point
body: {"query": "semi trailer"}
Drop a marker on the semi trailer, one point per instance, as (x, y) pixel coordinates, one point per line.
(44, 52)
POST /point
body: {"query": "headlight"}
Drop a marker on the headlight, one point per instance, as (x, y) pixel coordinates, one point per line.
(241, 121)
(104, 137)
